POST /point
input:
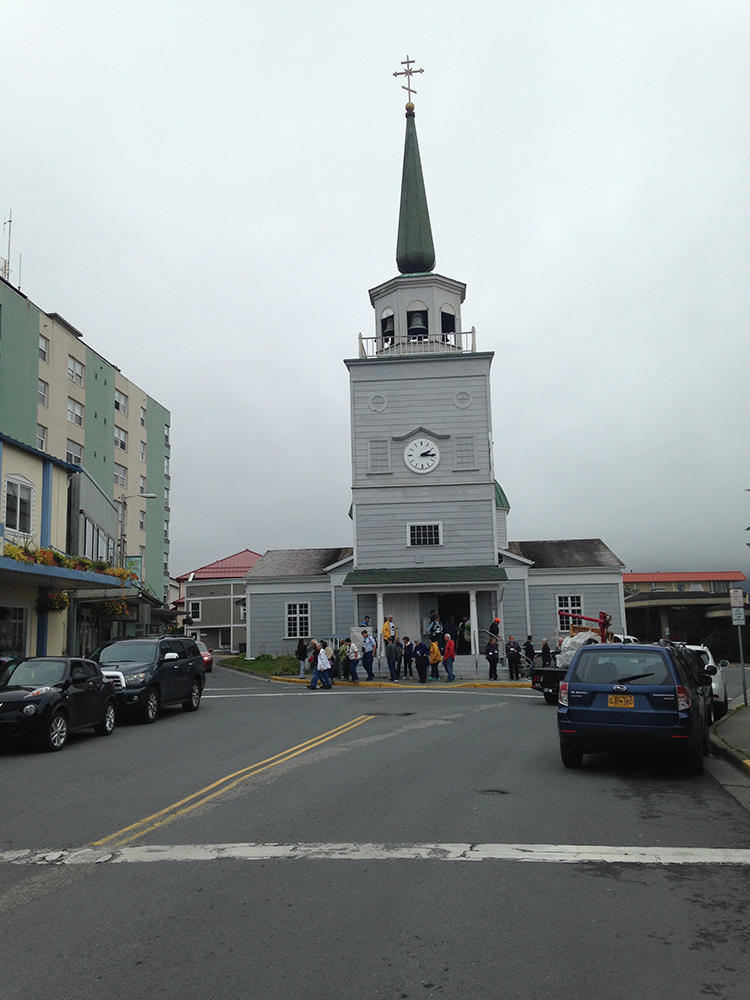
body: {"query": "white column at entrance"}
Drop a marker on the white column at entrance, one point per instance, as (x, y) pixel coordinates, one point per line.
(473, 618)
(377, 631)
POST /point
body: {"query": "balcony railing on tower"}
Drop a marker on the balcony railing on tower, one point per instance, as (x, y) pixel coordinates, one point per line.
(442, 343)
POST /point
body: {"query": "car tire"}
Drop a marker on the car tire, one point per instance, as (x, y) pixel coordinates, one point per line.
(550, 697)
(721, 708)
(692, 758)
(107, 725)
(56, 734)
(150, 708)
(194, 701)
(571, 756)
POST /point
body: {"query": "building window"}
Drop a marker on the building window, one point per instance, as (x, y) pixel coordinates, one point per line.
(121, 403)
(166, 435)
(166, 498)
(465, 454)
(166, 564)
(75, 370)
(12, 631)
(142, 485)
(121, 439)
(143, 451)
(43, 348)
(74, 453)
(42, 391)
(143, 416)
(424, 534)
(41, 437)
(121, 475)
(142, 520)
(75, 412)
(19, 506)
(379, 456)
(569, 602)
(166, 531)
(166, 467)
(195, 610)
(298, 621)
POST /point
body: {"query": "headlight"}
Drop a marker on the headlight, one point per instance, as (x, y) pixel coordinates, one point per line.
(29, 709)
(134, 680)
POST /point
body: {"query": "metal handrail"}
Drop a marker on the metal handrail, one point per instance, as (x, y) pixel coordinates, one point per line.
(444, 343)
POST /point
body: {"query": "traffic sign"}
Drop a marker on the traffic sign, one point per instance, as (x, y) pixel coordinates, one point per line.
(738, 616)
(737, 597)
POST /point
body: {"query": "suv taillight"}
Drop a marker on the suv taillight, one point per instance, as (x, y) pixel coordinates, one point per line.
(562, 696)
(683, 698)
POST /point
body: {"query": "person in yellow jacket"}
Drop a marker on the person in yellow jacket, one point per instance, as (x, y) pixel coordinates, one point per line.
(389, 630)
(436, 658)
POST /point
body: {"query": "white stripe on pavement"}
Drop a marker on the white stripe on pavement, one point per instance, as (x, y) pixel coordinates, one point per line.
(549, 853)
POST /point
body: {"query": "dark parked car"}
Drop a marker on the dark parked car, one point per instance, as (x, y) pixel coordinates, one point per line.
(154, 671)
(645, 697)
(44, 698)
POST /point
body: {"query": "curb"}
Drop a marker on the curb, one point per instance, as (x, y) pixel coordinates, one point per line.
(725, 750)
(383, 684)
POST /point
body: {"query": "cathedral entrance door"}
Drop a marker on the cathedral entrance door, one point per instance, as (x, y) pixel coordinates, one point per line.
(452, 608)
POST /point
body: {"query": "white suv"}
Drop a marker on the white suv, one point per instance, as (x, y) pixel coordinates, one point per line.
(720, 700)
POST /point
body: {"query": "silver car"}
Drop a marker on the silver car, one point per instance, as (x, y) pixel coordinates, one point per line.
(720, 700)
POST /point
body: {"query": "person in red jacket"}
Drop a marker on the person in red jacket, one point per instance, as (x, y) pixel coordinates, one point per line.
(449, 655)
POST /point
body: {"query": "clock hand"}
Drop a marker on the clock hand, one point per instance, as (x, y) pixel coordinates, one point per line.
(427, 454)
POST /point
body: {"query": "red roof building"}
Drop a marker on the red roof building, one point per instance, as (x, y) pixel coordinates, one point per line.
(214, 601)
(231, 568)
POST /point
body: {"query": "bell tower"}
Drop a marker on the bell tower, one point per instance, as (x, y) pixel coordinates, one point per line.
(429, 518)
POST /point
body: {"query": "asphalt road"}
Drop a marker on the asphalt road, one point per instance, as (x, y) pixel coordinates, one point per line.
(369, 844)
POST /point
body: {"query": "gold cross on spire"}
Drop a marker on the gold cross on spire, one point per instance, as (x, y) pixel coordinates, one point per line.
(408, 73)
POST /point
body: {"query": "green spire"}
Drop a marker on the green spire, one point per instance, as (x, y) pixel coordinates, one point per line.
(415, 251)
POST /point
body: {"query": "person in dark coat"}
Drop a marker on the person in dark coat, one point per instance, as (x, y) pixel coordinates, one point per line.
(495, 628)
(492, 655)
(301, 654)
(528, 648)
(546, 654)
(513, 652)
(421, 659)
(408, 656)
(390, 655)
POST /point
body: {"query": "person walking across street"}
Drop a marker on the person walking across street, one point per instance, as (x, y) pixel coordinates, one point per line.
(435, 658)
(492, 655)
(368, 645)
(421, 659)
(449, 655)
(322, 670)
(513, 652)
(301, 654)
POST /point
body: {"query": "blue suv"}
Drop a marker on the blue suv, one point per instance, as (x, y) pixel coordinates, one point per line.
(639, 697)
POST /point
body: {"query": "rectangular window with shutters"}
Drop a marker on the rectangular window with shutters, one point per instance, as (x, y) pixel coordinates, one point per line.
(465, 452)
(378, 458)
(424, 534)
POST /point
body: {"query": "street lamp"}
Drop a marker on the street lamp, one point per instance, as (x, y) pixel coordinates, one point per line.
(123, 507)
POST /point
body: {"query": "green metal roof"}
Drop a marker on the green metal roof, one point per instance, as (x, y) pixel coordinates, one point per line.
(500, 498)
(415, 251)
(425, 575)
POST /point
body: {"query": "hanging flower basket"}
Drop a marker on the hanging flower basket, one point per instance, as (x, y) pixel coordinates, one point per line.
(52, 603)
(111, 608)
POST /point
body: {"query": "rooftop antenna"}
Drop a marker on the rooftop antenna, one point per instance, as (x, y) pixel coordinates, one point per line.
(5, 265)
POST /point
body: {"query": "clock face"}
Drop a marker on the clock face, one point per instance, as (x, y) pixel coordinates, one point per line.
(421, 455)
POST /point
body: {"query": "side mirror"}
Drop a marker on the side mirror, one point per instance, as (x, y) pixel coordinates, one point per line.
(78, 677)
(171, 656)
(723, 663)
(710, 669)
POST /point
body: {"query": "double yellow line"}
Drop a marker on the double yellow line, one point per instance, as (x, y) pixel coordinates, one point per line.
(229, 781)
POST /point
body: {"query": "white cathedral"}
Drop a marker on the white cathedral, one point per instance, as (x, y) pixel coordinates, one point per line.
(429, 516)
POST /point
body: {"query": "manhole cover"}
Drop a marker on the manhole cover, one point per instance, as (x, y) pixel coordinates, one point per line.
(493, 791)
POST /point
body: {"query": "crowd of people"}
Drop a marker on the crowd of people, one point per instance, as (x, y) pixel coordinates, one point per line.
(404, 656)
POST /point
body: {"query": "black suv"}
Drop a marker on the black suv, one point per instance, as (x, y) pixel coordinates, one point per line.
(153, 671)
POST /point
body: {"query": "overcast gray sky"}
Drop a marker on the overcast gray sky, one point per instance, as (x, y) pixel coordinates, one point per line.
(208, 190)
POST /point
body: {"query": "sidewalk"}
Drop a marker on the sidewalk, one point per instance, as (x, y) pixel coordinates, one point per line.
(730, 736)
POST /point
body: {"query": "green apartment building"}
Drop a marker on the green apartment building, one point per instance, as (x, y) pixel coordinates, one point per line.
(61, 397)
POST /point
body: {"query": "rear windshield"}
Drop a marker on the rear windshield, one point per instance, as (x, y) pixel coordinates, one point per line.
(600, 666)
(125, 652)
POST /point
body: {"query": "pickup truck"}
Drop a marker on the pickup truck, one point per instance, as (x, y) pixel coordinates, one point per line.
(547, 679)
